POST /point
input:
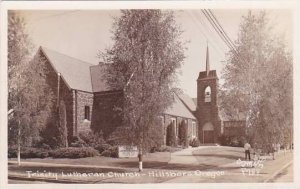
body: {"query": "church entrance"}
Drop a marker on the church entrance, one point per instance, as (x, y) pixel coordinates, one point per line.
(208, 133)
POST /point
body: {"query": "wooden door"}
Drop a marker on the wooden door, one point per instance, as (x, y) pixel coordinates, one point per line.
(208, 136)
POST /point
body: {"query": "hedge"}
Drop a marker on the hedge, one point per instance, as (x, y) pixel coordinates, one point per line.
(110, 152)
(194, 142)
(74, 153)
(27, 152)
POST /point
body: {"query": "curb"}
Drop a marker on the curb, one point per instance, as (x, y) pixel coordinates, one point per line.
(278, 171)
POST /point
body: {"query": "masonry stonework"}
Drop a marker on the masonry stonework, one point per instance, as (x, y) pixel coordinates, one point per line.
(179, 122)
(208, 112)
(84, 99)
(65, 95)
(107, 112)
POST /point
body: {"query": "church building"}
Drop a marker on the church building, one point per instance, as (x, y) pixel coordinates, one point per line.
(86, 103)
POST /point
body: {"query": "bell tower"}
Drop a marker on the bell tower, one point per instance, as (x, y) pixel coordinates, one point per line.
(207, 111)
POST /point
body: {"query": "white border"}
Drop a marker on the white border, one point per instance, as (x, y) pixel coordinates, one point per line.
(94, 5)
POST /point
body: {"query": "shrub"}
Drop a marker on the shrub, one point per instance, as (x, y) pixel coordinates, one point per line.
(102, 147)
(183, 134)
(77, 142)
(27, 152)
(194, 142)
(74, 152)
(165, 149)
(12, 152)
(91, 138)
(171, 138)
(223, 140)
(235, 141)
(111, 152)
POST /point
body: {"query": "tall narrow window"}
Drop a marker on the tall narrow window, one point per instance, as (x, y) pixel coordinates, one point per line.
(194, 129)
(174, 124)
(207, 94)
(87, 112)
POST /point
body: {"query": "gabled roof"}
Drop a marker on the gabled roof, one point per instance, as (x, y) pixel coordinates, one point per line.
(75, 72)
(78, 75)
(188, 101)
(97, 75)
(179, 109)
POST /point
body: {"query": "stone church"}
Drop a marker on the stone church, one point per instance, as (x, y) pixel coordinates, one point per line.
(87, 103)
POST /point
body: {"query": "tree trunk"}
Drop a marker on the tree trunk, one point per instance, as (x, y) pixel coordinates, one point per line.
(19, 144)
(140, 156)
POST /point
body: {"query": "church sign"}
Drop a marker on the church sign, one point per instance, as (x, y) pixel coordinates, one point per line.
(127, 151)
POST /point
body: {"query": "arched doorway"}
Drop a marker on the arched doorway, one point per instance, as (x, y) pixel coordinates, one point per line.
(208, 133)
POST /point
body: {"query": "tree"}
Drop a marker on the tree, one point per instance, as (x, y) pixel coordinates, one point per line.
(147, 51)
(183, 134)
(258, 82)
(27, 89)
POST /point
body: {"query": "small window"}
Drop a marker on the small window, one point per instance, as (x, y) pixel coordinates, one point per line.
(207, 94)
(87, 112)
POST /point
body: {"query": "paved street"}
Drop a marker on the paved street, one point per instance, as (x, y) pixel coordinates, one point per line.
(286, 175)
(204, 164)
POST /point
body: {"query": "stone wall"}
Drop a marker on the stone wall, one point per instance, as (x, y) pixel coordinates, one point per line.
(84, 99)
(107, 112)
(65, 95)
(179, 122)
(208, 111)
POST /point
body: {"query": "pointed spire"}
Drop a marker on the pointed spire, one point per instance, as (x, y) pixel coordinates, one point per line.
(207, 60)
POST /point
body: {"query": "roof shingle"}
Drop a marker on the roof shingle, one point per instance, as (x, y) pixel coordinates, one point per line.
(75, 72)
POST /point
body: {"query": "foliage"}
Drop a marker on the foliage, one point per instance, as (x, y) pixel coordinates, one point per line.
(235, 141)
(77, 142)
(194, 142)
(183, 134)
(102, 147)
(27, 89)
(143, 59)
(73, 152)
(110, 152)
(28, 152)
(91, 138)
(165, 149)
(258, 82)
(171, 137)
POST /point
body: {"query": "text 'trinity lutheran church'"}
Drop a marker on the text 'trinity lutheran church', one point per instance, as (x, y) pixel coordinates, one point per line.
(86, 102)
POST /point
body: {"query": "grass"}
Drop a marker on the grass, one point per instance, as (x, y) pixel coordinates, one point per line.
(209, 158)
(219, 155)
(151, 160)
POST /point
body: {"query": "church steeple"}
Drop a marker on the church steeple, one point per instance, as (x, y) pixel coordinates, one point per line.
(207, 61)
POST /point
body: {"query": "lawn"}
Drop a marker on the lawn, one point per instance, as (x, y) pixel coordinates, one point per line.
(219, 155)
(151, 160)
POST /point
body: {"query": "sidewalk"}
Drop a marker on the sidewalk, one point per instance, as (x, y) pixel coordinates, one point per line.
(185, 156)
(234, 173)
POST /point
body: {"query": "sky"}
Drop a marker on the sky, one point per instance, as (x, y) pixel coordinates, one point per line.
(83, 34)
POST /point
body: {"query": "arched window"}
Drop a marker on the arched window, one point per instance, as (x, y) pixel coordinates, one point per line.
(207, 95)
